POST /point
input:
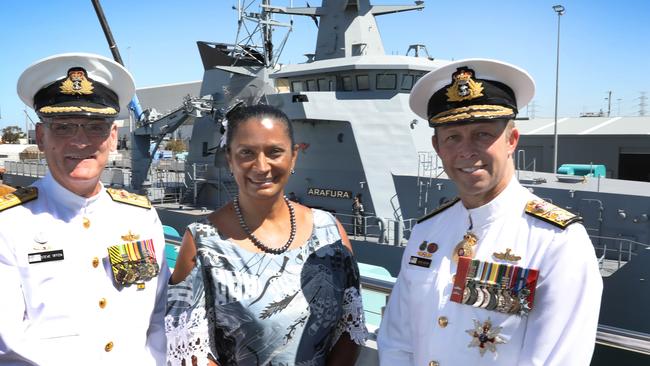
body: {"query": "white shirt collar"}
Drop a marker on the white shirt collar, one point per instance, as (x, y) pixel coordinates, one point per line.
(67, 200)
(513, 196)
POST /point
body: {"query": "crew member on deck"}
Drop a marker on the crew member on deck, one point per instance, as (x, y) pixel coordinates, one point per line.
(497, 276)
(82, 272)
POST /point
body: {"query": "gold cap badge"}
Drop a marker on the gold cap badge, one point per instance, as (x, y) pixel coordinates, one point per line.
(464, 87)
(77, 83)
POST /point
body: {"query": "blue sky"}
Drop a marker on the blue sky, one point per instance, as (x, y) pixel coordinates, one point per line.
(605, 45)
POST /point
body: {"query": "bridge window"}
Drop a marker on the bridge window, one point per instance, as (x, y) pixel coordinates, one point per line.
(297, 86)
(311, 85)
(347, 83)
(386, 81)
(363, 82)
(407, 82)
(323, 85)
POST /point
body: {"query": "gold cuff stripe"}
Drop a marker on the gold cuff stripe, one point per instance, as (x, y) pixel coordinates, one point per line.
(107, 110)
(473, 111)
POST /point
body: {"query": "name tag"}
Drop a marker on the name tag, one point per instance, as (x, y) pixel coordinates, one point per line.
(420, 262)
(53, 255)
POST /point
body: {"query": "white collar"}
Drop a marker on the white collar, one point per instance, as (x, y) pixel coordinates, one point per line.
(508, 201)
(70, 201)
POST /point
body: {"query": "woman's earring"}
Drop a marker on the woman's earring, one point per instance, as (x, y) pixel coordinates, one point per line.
(293, 171)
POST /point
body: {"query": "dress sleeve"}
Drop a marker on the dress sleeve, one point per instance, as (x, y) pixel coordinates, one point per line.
(561, 329)
(394, 340)
(352, 318)
(186, 322)
(13, 345)
(156, 335)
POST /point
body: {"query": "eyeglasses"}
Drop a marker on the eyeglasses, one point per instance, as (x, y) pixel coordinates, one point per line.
(69, 129)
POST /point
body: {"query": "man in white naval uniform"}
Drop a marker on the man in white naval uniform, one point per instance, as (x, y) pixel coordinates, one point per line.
(82, 269)
(497, 277)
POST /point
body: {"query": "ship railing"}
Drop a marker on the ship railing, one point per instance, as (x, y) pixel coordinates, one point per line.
(163, 178)
(609, 336)
(376, 229)
(613, 253)
(192, 177)
(115, 177)
(429, 167)
(169, 165)
(197, 172)
(34, 168)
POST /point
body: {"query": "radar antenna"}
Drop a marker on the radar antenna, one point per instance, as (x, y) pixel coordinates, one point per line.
(255, 28)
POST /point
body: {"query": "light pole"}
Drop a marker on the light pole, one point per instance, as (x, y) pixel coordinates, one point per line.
(559, 9)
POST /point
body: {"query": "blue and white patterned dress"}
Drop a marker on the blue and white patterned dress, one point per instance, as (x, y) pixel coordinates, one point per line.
(246, 308)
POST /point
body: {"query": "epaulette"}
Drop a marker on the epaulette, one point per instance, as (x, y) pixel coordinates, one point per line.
(438, 210)
(5, 189)
(18, 197)
(122, 196)
(552, 214)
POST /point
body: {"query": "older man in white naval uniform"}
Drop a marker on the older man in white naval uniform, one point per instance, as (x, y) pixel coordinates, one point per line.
(82, 269)
(497, 277)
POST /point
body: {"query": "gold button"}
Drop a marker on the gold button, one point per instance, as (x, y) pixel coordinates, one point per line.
(102, 303)
(108, 347)
(86, 222)
(95, 262)
(434, 363)
(443, 321)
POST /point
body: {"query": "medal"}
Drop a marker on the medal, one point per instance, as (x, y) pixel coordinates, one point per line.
(485, 337)
(492, 304)
(480, 297)
(133, 262)
(465, 248)
(487, 297)
(486, 274)
(466, 293)
(462, 279)
(502, 301)
(492, 286)
(473, 293)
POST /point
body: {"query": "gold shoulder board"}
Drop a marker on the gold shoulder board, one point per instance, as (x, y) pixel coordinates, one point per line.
(5, 189)
(552, 214)
(438, 210)
(18, 197)
(122, 196)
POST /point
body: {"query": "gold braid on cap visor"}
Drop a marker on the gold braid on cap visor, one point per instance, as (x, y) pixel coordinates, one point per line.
(472, 111)
(107, 110)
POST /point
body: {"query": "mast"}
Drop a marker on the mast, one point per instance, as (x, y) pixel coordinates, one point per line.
(135, 103)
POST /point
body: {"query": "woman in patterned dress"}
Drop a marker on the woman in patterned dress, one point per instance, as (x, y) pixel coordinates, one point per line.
(263, 280)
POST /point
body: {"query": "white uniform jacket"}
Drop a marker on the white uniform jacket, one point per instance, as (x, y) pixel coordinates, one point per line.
(422, 327)
(69, 311)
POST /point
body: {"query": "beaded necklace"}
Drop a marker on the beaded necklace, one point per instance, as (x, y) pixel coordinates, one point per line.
(255, 240)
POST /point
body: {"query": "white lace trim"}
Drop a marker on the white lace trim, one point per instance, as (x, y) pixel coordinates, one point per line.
(353, 320)
(189, 338)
